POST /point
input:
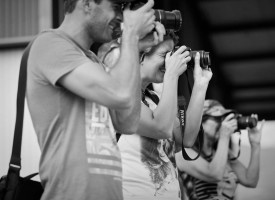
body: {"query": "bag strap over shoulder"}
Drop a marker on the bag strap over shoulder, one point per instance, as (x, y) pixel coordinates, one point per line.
(15, 161)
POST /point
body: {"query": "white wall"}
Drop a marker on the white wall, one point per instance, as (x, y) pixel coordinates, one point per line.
(9, 70)
(266, 185)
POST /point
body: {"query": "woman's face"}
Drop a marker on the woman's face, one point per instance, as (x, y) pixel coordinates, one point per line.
(210, 127)
(153, 65)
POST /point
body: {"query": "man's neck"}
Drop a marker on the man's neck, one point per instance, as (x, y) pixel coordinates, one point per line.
(76, 31)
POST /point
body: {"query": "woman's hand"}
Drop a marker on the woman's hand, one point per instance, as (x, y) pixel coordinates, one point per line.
(176, 63)
(255, 134)
(201, 76)
(228, 125)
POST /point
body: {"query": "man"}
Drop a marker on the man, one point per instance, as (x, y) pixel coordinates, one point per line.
(76, 104)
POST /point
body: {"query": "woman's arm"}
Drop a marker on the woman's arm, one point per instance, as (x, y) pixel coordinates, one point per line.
(211, 171)
(195, 107)
(159, 122)
(249, 176)
(202, 169)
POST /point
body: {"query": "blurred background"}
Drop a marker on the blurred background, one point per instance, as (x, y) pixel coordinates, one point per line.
(239, 34)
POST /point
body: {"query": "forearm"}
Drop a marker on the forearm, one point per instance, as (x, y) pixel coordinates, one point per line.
(127, 68)
(194, 114)
(166, 111)
(253, 170)
(217, 166)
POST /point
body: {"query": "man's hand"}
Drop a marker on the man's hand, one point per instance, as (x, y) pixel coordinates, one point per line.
(140, 21)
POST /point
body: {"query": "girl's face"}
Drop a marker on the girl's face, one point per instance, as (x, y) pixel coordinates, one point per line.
(211, 127)
(153, 65)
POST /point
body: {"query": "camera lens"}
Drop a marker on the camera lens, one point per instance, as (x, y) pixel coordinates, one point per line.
(246, 122)
(205, 60)
(170, 20)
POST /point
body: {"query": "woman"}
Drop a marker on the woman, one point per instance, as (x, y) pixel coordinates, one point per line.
(216, 173)
(148, 156)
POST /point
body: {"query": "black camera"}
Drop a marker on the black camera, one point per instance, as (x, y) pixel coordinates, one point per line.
(243, 122)
(205, 60)
(246, 121)
(171, 20)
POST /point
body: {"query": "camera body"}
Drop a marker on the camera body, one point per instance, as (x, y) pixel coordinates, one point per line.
(205, 60)
(246, 121)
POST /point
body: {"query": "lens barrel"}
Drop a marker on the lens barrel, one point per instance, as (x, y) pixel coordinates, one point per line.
(205, 60)
(171, 20)
(246, 122)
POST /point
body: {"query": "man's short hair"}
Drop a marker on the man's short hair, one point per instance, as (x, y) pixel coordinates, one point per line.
(69, 5)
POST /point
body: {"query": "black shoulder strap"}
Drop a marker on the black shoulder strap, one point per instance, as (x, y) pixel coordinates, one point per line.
(15, 161)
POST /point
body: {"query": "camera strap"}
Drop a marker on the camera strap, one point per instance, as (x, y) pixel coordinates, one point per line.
(199, 140)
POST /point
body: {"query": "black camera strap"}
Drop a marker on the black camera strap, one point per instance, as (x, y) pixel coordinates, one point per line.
(199, 141)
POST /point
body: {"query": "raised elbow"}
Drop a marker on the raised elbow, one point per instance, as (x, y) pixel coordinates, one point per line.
(124, 100)
(188, 143)
(164, 131)
(215, 175)
(213, 178)
(251, 184)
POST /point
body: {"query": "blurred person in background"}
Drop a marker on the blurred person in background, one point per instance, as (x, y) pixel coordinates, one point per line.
(217, 172)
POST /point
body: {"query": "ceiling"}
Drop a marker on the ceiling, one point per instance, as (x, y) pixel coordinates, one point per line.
(240, 36)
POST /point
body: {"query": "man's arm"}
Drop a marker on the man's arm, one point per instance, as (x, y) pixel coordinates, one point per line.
(119, 88)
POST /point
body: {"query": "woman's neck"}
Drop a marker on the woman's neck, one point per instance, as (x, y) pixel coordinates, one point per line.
(208, 147)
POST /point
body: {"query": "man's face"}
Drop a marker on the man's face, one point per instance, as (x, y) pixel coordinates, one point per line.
(103, 20)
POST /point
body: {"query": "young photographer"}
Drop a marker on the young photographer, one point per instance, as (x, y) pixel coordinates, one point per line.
(148, 156)
(216, 173)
